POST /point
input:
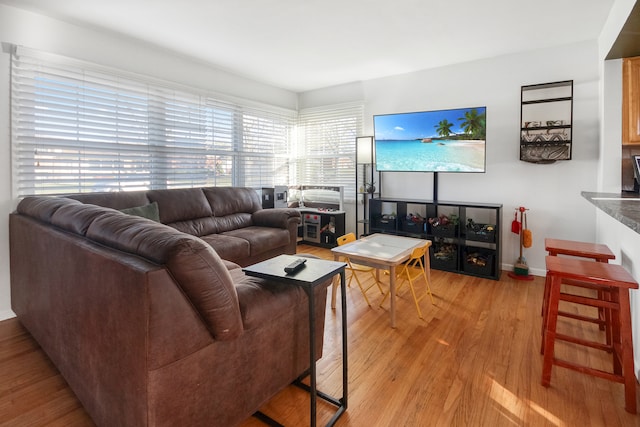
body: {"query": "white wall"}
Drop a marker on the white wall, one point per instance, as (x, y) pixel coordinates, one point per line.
(43, 33)
(40, 32)
(610, 161)
(6, 203)
(551, 192)
(624, 242)
(609, 168)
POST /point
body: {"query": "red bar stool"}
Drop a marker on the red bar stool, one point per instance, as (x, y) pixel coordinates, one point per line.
(595, 251)
(615, 282)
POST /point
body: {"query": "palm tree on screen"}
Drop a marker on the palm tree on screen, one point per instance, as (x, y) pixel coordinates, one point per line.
(474, 124)
(444, 128)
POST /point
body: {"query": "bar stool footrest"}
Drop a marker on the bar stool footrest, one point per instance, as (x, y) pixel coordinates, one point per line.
(593, 302)
(589, 371)
(587, 343)
(595, 320)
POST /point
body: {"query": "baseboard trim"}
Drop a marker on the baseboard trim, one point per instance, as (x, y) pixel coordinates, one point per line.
(532, 271)
(6, 314)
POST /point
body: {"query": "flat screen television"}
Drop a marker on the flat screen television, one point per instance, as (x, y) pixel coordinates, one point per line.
(431, 141)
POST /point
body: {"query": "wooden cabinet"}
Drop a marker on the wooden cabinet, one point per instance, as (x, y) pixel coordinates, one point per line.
(469, 243)
(630, 120)
(631, 101)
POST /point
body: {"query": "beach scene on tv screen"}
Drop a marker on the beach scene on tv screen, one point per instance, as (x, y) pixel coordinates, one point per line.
(434, 141)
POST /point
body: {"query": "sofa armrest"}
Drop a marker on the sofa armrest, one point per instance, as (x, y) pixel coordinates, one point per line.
(196, 267)
(278, 218)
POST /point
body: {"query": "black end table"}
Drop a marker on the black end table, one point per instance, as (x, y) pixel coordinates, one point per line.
(314, 273)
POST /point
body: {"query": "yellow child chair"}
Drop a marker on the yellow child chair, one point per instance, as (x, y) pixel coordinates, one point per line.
(410, 271)
(355, 268)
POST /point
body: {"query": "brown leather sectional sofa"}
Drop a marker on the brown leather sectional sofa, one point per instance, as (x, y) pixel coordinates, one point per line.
(154, 323)
(230, 219)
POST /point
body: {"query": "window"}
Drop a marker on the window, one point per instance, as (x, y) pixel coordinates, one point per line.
(77, 127)
(327, 147)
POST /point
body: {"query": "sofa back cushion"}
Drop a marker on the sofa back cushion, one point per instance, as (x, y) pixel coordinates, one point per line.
(208, 210)
(43, 208)
(231, 200)
(114, 200)
(233, 207)
(185, 209)
(180, 204)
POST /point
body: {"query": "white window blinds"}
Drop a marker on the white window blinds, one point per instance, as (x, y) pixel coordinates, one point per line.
(326, 147)
(78, 127)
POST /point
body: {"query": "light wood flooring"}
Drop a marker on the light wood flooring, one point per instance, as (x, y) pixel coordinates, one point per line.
(473, 361)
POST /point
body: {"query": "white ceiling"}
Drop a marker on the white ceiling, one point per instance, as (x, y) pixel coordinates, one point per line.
(302, 45)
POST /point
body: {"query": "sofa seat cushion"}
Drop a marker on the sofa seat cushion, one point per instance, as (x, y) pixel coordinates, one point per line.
(261, 300)
(261, 239)
(228, 247)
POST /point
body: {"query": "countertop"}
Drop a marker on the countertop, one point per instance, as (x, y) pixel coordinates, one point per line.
(625, 207)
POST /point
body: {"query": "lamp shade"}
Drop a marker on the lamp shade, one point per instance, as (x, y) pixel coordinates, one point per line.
(364, 149)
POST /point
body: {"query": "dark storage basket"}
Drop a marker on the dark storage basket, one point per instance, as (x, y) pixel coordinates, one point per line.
(482, 234)
(385, 223)
(410, 226)
(478, 261)
(448, 230)
(447, 263)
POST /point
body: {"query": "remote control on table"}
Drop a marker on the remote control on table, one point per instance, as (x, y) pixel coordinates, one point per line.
(295, 265)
